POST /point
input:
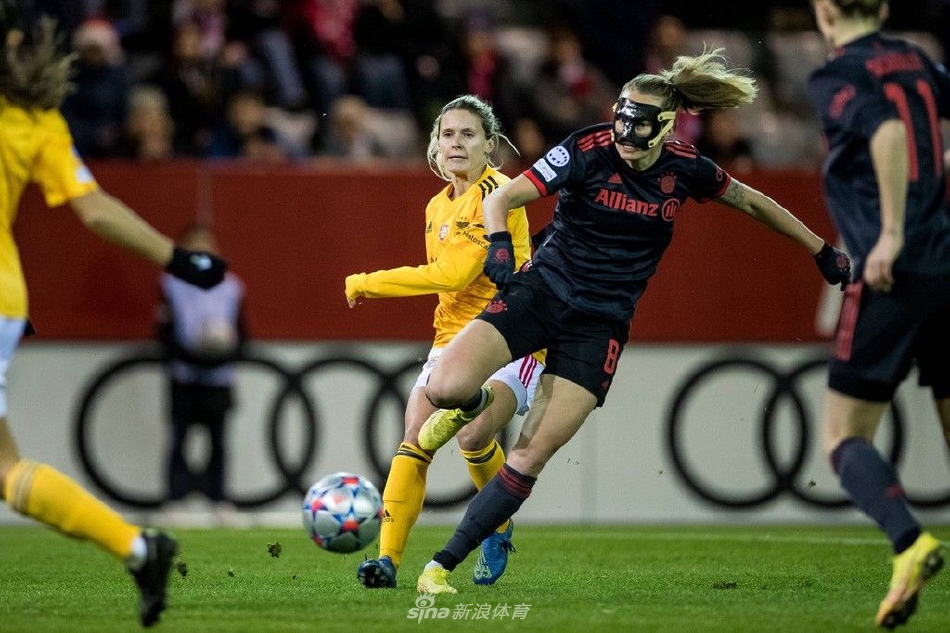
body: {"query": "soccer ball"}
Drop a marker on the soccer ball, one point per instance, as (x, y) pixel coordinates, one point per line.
(342, 512)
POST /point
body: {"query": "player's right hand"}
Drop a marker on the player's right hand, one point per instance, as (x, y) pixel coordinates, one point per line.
(500, 263)
(354, 288)
(198, 268)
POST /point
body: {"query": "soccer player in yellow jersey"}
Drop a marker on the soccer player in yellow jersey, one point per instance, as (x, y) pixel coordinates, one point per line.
(463, 137)
(36, 146)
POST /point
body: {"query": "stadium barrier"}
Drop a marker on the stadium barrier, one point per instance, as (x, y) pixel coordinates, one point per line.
(294, 232)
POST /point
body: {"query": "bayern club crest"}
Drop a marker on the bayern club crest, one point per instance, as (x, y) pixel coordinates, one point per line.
(667, 183)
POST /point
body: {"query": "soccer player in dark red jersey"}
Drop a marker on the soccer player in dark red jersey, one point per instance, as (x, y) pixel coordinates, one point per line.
(880, 101)
(619, 185)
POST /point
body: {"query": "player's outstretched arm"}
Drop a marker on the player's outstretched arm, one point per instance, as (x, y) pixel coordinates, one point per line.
(111, 219)
(833, 264)
(454, 270)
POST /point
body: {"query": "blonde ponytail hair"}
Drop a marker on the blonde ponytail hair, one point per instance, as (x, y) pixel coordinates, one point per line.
(696, 83)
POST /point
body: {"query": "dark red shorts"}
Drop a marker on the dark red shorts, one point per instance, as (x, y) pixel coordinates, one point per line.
(582, 348)
(881, 336)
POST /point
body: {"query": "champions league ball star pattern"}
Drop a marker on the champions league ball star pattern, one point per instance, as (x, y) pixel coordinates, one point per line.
(342, 512)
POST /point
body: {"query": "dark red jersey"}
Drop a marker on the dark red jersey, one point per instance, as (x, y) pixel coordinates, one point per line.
(864, 83)
(612, 223)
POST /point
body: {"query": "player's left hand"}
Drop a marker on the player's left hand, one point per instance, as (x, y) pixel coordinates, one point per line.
(834, 265)
(879, 264)
(500, 263)
(198, 268)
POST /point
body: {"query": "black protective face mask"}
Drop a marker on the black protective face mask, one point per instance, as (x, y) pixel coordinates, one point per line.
(653, 122)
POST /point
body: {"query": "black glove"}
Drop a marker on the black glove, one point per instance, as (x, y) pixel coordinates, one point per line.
(197, 267)
(834, 265)
(500, 263)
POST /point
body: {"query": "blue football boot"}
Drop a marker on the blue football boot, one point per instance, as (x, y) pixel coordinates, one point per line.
(377, 573)
(493, 557)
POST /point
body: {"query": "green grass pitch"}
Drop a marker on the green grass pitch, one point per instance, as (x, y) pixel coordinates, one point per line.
(565, 578)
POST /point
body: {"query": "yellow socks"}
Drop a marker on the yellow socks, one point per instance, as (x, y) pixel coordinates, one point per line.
(483, 464)
(403, 496)
(47, 495)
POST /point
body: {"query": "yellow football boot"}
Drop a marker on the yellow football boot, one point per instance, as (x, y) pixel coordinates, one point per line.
(912, 569)
(435, 581)
(445, 423)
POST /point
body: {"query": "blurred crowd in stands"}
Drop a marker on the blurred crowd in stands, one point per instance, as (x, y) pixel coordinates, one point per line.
(282, 80)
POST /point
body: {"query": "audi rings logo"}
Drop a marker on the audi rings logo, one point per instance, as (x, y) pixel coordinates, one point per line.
(785, 475)
(291, 460)
(292, 409)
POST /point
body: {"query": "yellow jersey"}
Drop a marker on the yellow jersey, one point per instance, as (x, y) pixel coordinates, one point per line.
(456, 247)
(35, 146)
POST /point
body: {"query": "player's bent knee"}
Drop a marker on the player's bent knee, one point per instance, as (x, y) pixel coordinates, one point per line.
(474, 439)
(527, 461)
(446, 396)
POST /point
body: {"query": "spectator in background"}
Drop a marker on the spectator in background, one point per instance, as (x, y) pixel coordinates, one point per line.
(571, 93)
(193, 85)
(348, 135)
(380, 32)
(430, 54)
(96, 109)
(245, 132)
(264, 146)
(614, 34)
(271, 64)
(210, 20)
(322, 33)
(723, 142)
(528, 137)
(237, 68)
(149, 129)
(202, 332)
(486, 70)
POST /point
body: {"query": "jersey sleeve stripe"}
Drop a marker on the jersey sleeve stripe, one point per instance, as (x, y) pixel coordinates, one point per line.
(682, 150)
(597, 139)
(725, 185)
(537, 182)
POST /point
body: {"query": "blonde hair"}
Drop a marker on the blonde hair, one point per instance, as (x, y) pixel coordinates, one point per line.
(490, 125)
(36, 76)
(696, 83)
